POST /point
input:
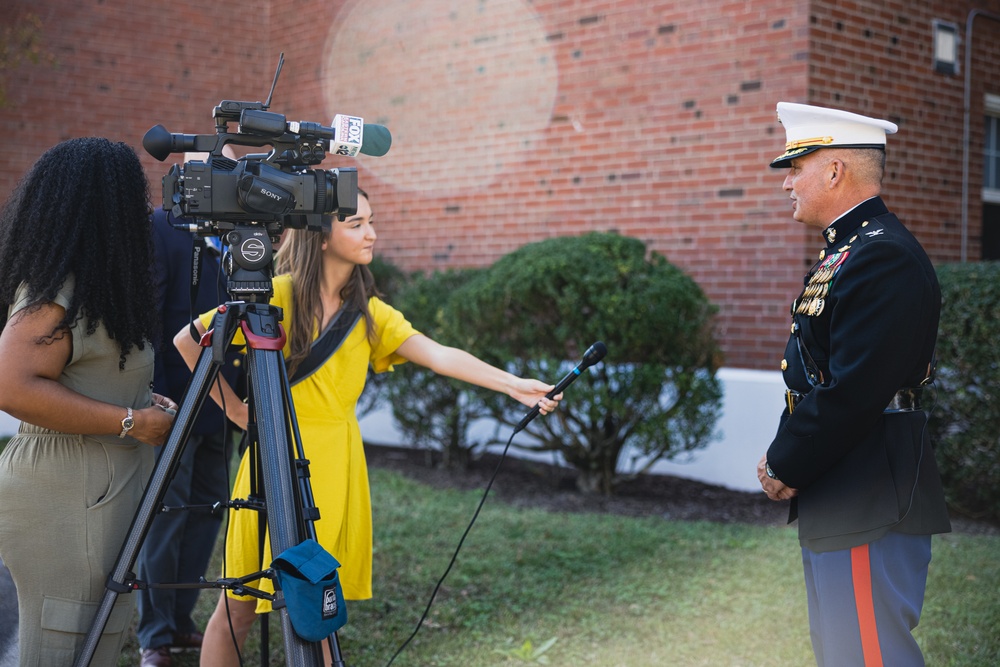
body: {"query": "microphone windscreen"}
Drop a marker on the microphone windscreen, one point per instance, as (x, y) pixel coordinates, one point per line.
(377, 140)
(594, 354)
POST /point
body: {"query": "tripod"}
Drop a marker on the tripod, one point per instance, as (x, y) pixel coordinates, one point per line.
(286, 484)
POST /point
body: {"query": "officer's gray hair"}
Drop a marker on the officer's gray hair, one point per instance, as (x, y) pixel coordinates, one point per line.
(869, 163)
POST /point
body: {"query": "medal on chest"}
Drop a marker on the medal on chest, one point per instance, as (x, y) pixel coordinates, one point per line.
(812, 301)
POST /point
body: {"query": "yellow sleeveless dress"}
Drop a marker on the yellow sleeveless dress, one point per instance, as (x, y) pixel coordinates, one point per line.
(325, 404)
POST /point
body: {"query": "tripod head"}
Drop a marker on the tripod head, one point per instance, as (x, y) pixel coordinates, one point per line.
(248, 262)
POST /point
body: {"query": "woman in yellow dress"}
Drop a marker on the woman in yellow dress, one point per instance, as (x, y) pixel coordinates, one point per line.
(318, 277)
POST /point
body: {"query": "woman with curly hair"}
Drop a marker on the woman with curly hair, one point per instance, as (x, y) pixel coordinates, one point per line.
(77, 320)
(322, 279)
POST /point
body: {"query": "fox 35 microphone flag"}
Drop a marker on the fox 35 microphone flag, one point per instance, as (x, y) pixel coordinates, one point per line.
(307, 574)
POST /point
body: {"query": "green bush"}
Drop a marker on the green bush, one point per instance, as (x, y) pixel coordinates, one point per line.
(965, 420)
(390, 280)
(539, 308)
(433, 411)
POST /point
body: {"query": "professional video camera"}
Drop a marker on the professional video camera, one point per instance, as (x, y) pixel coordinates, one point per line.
(249, 201)
(275, 189)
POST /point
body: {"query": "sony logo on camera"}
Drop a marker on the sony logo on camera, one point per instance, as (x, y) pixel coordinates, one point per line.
(268, 193)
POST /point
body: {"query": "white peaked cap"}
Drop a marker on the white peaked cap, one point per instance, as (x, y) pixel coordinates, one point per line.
(808, 128)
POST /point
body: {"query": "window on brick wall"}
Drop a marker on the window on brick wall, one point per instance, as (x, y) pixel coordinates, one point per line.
(945, 47)
(991, 179)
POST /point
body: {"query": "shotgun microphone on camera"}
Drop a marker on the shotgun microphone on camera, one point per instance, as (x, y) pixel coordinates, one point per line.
(593, 354)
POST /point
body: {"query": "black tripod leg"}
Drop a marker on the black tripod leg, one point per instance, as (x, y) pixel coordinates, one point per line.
(284, 520)
(204, 375)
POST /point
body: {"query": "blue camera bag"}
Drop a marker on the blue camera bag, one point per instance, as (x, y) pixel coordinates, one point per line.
(307, 575)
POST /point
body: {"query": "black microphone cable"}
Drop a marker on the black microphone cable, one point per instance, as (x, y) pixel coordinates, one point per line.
(593, 354)
(454, 556)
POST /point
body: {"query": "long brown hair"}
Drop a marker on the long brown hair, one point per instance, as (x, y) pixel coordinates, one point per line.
(301, 255)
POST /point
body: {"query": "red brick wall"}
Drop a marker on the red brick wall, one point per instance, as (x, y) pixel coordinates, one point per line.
(876, 58)
(514, 120)
(122, 67)
(517, 121)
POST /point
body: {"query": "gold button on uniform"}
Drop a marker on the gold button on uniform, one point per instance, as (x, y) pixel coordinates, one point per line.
(784, 365)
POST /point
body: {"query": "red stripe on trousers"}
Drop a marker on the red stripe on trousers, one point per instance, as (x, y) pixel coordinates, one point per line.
(861, 571)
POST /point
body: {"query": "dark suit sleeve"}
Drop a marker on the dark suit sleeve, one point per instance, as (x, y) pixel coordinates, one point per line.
(878, 330)
(161, 279)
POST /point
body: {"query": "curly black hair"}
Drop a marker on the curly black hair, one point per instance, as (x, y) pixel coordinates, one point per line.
(83, 210)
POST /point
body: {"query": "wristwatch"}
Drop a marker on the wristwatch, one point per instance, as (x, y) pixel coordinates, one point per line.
(770, 473)
(127, 423)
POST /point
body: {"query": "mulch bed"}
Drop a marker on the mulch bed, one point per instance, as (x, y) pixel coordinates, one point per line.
(527, 483)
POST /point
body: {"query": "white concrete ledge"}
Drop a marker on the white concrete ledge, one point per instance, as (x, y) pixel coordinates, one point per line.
(751, 404)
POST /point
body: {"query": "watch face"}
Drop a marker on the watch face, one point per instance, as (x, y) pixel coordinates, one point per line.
(128, 422)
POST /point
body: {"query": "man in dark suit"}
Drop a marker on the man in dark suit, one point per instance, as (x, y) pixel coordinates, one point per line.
(852, 450)
(179, 544)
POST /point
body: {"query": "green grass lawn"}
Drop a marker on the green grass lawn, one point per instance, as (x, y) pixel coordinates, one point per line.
(533, 587)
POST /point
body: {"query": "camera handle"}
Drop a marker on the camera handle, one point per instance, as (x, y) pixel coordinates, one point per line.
(287, 526)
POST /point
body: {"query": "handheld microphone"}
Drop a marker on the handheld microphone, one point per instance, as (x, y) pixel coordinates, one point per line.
(351, 135)
(593, 354)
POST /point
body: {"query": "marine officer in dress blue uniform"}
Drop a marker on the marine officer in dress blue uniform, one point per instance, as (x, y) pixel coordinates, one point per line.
(852, 451)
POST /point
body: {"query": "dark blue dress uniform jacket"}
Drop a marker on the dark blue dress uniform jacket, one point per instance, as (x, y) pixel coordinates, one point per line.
(863, 328)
